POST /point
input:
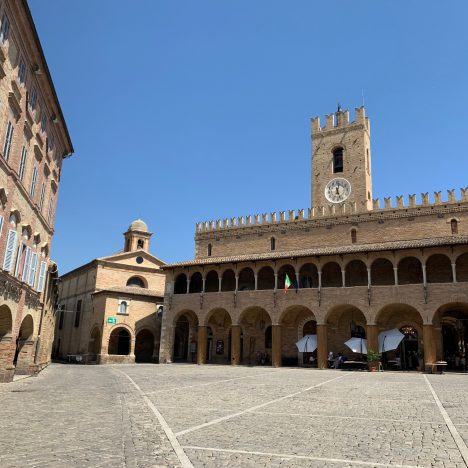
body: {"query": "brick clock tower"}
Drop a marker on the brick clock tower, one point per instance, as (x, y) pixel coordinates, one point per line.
(341, 160)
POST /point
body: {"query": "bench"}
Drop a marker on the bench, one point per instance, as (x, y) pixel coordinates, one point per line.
(435, 365)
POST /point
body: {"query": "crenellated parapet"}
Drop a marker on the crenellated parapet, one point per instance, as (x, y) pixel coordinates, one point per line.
(329, 211)
(340, 119)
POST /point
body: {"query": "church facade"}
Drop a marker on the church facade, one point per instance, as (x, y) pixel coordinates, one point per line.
(349, 266)
(108, 308)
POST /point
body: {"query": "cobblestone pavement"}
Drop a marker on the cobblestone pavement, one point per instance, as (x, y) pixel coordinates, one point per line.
(214, 416)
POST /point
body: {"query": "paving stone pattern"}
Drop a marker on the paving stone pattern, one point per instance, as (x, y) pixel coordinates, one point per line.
(92, 416)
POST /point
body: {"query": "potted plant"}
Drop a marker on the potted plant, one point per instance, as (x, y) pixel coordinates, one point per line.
(373, 360)
(419, 355)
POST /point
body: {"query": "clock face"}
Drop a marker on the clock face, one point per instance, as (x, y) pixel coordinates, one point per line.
(337, 190)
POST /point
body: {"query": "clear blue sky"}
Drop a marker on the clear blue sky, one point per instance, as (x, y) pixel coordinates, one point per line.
(183, 111)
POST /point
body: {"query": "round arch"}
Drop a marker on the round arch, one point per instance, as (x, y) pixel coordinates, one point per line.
(282, 272)
(331, 275)
(180, 284)
(246, 279)
(356, 273)
(196, 283)
(144, 345)
(137, 282)
(308, 276)
(382, 272)
(228, 280)
(120, 341)
(266, 278)
(24, 346)
(255, 322)
(6, 321)
(461, 265)
(218, 349)
(212, 281)
(185, 324)
(439, 269)
(410, 271)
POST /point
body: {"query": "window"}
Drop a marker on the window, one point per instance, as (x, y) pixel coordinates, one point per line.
(338, 160)
(43, 121)
(135, 282)
(8, 140)
(33, 99)
(33, 182)
(272, 243)
(41, 200)
(353, 236)
(42, 273)
(78, 313)
(22, 71)
(209, 250)
(123, 307)
(140, 243)
(62, 313)
(4, 28)
(51, 143)
(51, 207)
(10, 248)
(32, 270)
(454, 226)
(22, 165)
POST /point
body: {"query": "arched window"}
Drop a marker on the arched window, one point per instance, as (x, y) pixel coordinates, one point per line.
(454, 226)
(272, 243)
(13, 220)
(123, 307)
(338, 160)
(140, 244)
(209, 250)
(353, 236)
(136, 282)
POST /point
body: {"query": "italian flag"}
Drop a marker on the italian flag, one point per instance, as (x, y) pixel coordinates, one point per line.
(287, 283)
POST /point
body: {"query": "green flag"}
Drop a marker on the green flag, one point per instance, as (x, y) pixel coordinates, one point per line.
(287, 283)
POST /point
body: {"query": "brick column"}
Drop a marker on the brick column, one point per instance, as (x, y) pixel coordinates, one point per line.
(220, 279)
(454, 272)
(395, 274)
(256, 282)
(322, 346)
(372, 338)
(276, 346)
(235, 345)
(429, 344)
(343, 278)
(202, 339)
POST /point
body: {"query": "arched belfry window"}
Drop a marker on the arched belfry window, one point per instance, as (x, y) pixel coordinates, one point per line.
(209, 250)
(140, 243)
(337, 160)
(353, 236)
(272, 243)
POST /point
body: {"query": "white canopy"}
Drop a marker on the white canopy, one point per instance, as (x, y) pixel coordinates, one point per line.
(389, 339)
(307, 344)
(357, 345)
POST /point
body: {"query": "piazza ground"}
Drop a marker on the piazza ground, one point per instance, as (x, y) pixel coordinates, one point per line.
(181, 414)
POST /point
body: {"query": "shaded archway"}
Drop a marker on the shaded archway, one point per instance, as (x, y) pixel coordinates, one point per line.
(382, 272)
(119, 342)
(196, 283)
(266, 278)
(331, 275)
(439, 269)
(296, 321)
(308, 276)
(180, 285)
(23, 359)
(462, 268)
(6, 324)
(254, 321)
(246, 280)
(212, 282)
(286, 270)
(218, 348)
(144, 346)
(356, 274)
(137, 282)
(228, 281)
(410, 271)
(344, 322)
(94, 344)
(185, 337)
(452, 340)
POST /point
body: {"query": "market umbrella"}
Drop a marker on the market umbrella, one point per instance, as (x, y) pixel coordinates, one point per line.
(357, 345)
(389, 339)
(307, 344)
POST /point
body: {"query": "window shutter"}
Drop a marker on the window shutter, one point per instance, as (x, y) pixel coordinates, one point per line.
(1, 225)
(42, 273)
(18, 258)
(10, 248)
(27, 261)
(32, 273)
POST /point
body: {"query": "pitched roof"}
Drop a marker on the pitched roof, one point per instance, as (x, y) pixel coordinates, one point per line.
(348, 249)
(132, 291)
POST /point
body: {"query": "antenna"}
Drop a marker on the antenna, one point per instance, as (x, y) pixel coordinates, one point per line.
(362, 91)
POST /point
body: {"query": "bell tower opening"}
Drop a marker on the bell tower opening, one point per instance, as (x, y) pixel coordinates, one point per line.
(137, 237)
(341, 160)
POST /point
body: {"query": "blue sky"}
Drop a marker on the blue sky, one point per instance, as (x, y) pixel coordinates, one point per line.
(183, 111)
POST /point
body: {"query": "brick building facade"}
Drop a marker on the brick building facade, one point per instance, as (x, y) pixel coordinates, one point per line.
(34, 140)
(356, 267)
(108, 308)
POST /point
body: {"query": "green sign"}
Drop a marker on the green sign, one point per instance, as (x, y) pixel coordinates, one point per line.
(112, 320)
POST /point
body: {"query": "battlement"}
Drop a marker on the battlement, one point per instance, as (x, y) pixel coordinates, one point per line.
(340, 119)
(345, 209)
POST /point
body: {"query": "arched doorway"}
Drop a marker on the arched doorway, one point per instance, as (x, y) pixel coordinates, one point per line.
(5, 337)
(254, 322)
(408, 349)
(144, 346)
(185, 337)
(23, 359)
(119, 342)
(94, 345)
(219, 337)
(309, 328)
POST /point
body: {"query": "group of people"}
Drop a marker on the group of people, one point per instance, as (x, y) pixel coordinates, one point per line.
(457, 362)
(336, 362)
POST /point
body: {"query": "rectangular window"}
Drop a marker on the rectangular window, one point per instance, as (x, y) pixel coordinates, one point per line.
(62, 312)
(18, 260)
(78, 313)
(27, 261)
(51, 207)
(10, 249)
(24, 154)
(33, 99)
(50, 143)
(22, 71)
(33, 182)
(41, 201)
(4, 28)
(8, 140)
(32, 270)
(42, 273)
(43, 121)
